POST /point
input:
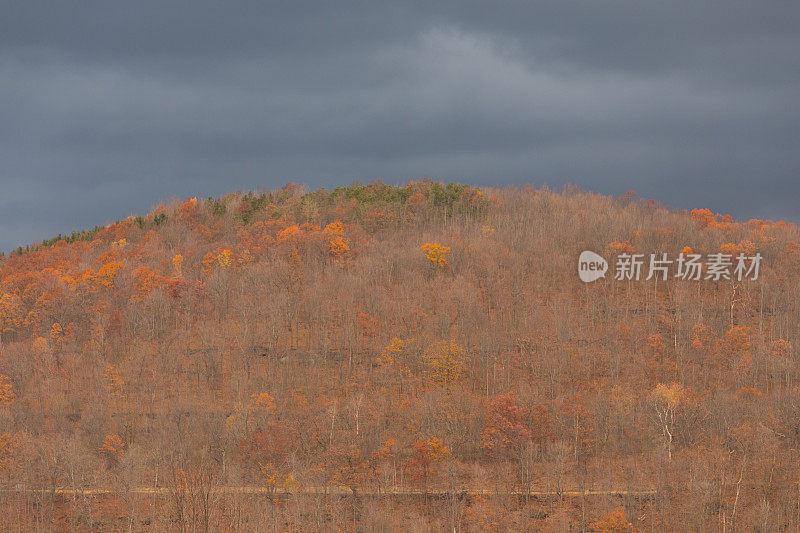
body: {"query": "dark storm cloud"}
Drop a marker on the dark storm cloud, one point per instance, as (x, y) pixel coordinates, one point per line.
(107, 107)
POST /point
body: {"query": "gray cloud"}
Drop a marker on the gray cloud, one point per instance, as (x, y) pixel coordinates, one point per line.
(108, 107)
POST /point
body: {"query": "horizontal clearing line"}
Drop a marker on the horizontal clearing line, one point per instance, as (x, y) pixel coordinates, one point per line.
(337, 491)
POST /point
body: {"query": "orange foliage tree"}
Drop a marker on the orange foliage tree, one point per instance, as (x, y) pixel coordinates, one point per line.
(505, 430)
(12, 316)
(113, 446)
(114, 382)
(427, 452)
(7, 395)
(437, 254)
(8, 447)
(611, 522)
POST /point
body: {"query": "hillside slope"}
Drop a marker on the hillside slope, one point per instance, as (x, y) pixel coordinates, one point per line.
(427, 337)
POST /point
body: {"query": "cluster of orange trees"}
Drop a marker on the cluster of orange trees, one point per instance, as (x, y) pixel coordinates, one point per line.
(426, 337)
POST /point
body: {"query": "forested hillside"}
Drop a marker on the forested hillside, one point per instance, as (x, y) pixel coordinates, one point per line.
(428, 352)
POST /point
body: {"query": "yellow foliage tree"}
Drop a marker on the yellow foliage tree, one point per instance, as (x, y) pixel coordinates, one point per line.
(438, 451)
(390, 354)
(666, 399)
(208, 262)
(177, 264)
(225, 258)
(220, 257)
(445, 362)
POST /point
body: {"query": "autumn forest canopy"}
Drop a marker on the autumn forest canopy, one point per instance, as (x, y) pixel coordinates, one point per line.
(425, 353)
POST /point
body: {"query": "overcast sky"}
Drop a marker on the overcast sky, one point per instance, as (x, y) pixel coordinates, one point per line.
(107, 107)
